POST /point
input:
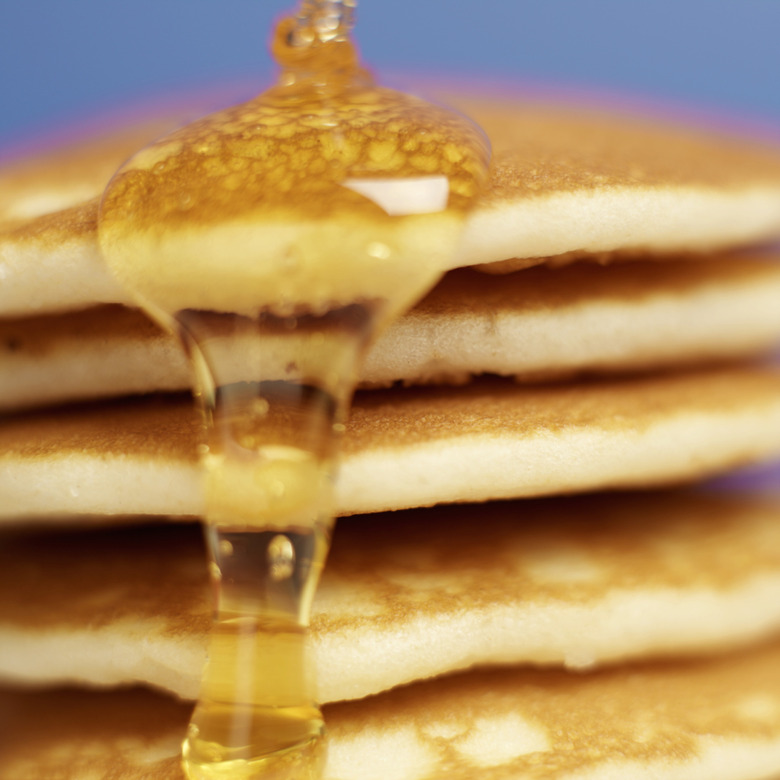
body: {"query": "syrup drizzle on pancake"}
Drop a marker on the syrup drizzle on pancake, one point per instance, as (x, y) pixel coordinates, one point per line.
(309, 217)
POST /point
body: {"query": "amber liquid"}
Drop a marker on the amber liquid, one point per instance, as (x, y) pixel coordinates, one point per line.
(278, 238)
(273, 431)
(256, 715)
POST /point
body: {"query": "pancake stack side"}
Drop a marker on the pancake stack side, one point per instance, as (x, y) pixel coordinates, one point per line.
(549, 560)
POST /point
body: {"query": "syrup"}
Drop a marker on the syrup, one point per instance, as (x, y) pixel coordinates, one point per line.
(278, 238)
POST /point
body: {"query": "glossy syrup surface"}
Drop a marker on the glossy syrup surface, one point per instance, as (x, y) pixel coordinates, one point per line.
(277, 238)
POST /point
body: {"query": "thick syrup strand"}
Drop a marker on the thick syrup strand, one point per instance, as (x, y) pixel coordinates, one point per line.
(277, 238)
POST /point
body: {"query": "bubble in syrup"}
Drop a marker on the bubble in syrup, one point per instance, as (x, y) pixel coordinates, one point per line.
(379, 250)
(249, 442)
(277, 488)
(281, 558)
(259, 407)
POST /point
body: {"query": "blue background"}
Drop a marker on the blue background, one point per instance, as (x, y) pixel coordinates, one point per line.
(63, 59)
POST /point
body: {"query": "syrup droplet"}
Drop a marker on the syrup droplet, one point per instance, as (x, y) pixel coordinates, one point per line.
(277, 238)
(281, 557)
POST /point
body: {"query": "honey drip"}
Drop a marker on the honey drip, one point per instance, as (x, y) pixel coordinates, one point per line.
(278, 238)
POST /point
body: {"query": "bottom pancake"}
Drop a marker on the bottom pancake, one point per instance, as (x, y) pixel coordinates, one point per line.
(580, 582)
(715, 719)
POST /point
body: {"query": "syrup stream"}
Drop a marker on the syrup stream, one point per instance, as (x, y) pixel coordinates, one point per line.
(278, 238)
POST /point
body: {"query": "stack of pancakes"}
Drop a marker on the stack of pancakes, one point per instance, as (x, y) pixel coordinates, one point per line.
(493, 628)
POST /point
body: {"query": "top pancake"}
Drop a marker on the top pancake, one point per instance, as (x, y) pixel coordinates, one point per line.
(564, 180)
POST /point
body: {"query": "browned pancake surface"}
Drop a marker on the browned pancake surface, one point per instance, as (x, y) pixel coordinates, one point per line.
(105, 578)
(692, 719)
(41, 336)
(50, 230)
(390, 419)
(493, 552)
(75, 734)
(162, 426)
(657, 715)
(387, 419)
(533, 153)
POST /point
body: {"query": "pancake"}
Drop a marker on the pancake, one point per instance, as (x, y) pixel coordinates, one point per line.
(572, 182)
(570, 582)
(48, 208)
(411, 447)
(566, 184)
(717, 719)
(75, 168)
(563, 181)
(536, 324)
